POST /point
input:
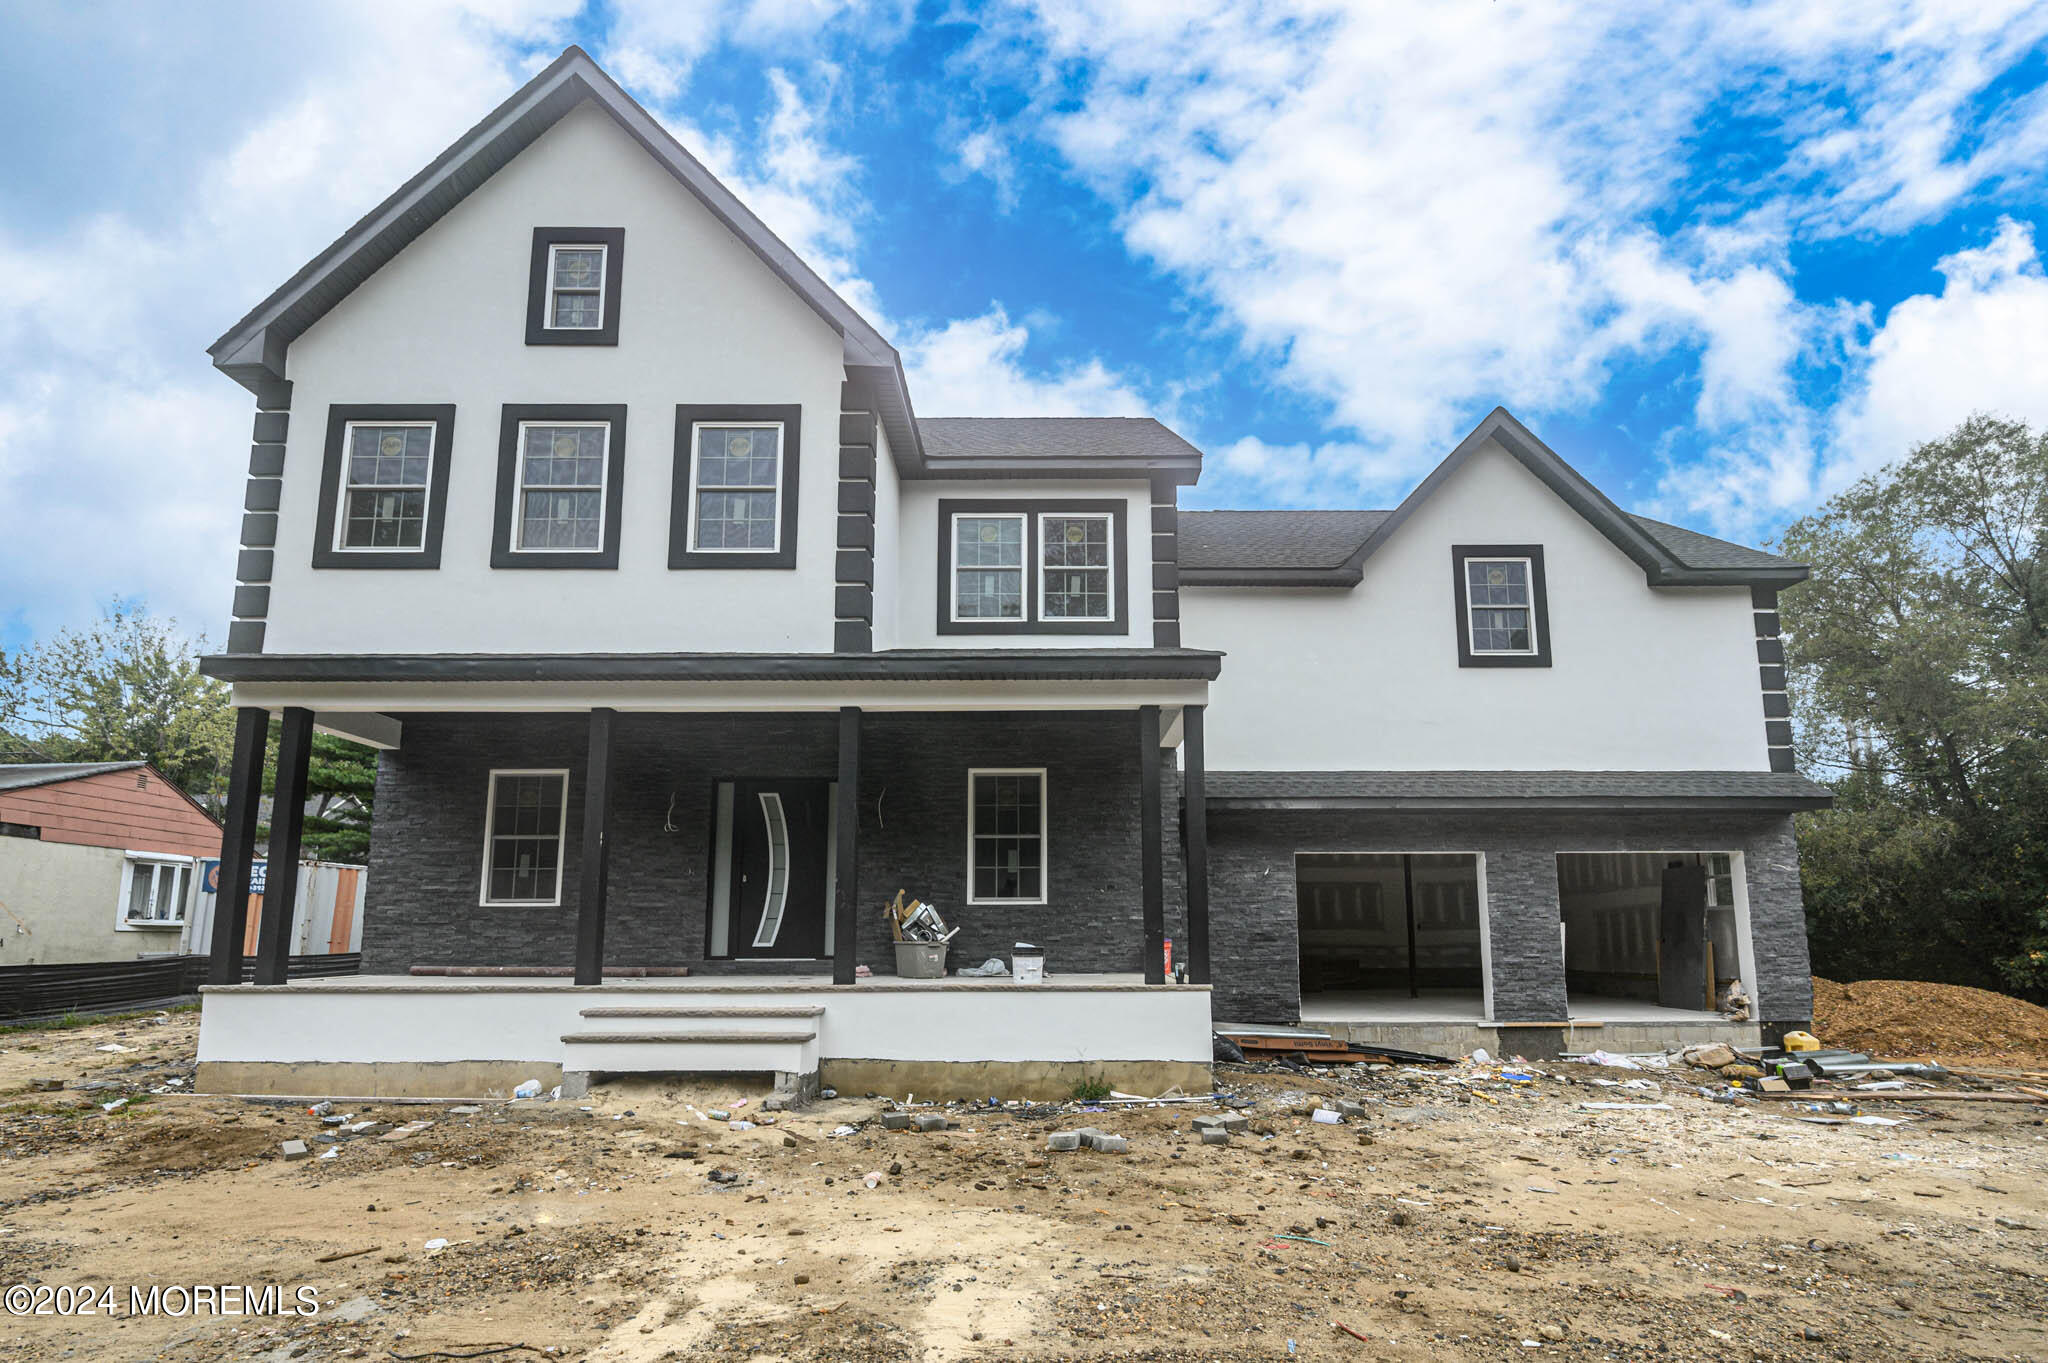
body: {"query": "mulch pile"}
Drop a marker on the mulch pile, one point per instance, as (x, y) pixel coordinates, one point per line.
(1911, 1019)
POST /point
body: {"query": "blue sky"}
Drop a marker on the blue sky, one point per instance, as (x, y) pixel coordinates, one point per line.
(1724, 258)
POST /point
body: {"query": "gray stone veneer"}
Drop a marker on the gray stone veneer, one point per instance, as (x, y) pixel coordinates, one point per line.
(1253, 913)
(426, 853)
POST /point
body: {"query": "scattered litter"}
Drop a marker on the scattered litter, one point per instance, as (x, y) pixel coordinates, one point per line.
(117, 1104)
(437, 1243)
(1326, 1117)
(988, 969)
(1624, 1107)
(529, 1089)
(114, 1048)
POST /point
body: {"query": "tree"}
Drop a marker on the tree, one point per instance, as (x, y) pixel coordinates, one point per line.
(1919, 669)
(127, 688)
(341, 789)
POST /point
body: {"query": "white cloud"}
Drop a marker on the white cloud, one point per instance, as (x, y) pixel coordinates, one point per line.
(1980, 344)
(652, 45)
(976, 366)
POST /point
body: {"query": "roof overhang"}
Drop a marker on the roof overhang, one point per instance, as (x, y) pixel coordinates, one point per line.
(252, 352)
(899, 665)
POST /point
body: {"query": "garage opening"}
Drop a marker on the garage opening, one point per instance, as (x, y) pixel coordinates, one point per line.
(1398, 933)
(1657, 929)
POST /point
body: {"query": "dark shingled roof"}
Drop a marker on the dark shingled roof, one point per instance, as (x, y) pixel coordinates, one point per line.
(22, 775)
(1054, 439)
(1468, 789)
(1270, 540)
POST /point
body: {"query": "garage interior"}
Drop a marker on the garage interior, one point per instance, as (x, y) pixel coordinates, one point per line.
(1392, 929)
(1648, 927)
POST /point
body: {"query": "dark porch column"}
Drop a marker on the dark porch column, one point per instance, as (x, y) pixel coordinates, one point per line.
(1195, 842)
(597, 808)
(1151, 856)
(846, 854)
(238, 846)
(287, 824)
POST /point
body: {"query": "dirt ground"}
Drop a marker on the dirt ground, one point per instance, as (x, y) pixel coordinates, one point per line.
(1903, 1019)
(1469, 1215)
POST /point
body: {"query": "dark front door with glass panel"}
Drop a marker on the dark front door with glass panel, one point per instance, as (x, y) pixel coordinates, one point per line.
(774, 870)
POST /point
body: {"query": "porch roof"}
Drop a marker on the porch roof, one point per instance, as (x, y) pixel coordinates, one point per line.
(922, 664)
(1589, 790)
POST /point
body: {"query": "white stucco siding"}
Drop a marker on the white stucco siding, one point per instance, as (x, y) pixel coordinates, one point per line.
(702, 320)
(919, 538)
(1368, 679)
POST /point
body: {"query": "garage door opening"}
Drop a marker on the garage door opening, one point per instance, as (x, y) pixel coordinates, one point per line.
(1659, 930)
(1393, 933)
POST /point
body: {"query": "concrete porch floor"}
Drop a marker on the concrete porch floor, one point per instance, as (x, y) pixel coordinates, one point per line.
(1453, 1022)
(1458, 1005)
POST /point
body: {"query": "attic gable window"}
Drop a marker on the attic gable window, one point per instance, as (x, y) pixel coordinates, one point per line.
(572, 287)
(1503, 613)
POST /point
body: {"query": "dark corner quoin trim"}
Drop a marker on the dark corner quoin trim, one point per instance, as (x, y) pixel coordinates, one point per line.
(503, 555)
(1031, 508)
(428, 555)
(538, 332)
(680, 554)
(1539, 600)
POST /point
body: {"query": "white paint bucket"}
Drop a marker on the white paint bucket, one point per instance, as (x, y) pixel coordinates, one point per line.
(1027, 964)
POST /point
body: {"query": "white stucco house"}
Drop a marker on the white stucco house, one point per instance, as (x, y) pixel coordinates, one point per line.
(687, 643)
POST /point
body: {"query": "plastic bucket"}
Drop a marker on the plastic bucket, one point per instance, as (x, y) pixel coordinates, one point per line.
(921, 960)
(1027, 964)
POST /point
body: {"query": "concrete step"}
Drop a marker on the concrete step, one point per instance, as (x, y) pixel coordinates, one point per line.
(695, 1051)
(685, 1038)
(701, 1013)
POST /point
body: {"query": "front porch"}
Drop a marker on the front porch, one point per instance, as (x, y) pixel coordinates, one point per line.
(441, 1037)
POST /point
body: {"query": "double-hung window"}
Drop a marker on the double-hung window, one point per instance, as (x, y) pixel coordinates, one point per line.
(154, 891)
(525, 822)
(736, 486)
(1503, 616)
(573, 286)
(1032, 567)
(1006, 836)
(383, 486)
(559, 474)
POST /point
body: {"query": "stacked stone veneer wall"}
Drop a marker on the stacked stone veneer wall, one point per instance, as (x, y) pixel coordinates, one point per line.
(1253, 913)
(427, 849)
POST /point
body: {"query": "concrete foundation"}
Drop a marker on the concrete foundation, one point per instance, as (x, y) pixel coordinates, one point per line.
(374, 1079)
(1038, 1080)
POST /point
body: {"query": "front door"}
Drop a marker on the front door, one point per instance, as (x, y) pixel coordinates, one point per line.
(780, 841)
(1682, 939)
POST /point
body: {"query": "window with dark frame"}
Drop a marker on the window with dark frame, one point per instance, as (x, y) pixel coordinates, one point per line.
(572, 290)
(576, 287)
(561, 486)
(1006, 836)
(525, 824)
(1074, 561)
(1503, 614)
(736, 488)
(1029, 566)
(386, 482)
(988, 567)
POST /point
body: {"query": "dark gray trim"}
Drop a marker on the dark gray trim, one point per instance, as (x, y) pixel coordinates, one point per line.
(1165, 565)
(857, 461)
(1539, 600)
(266, 461)
(287, 824)
(262, 494)
(1165, 577)
(1166, 634)
(339, 415)
(846, 852)
(856, 532)
(1151, 852)
(680, 554)
(1772, 675)
(1767, 624)
(251, 602)
(853, 601)
(1777, 705)
(254, 565)
(1771, 651)
(595, 882)
(1165, 606)
(511, 415)
(1032, 508)
(856, 497)
(854, 566)
(1782, 759)
(1194, 834)
(271, 427)
(274, 395)
(538, 332)
(245, 636)
(1165, 519)
(259, 529)
(853, 636)
(985, 664)
(238, 845)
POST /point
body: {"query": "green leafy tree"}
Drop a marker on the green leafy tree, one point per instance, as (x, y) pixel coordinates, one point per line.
(341, 789)
(1919, 667)
(126, 688)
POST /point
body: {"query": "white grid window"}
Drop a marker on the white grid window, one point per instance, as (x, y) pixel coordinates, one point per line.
(576, 287)
(1074, 567)
(384, 486)
(1498, 600)
(1006, 836)
(524, 827)
(988, 567)
(153, 893)
(561, 486)
(736, 487)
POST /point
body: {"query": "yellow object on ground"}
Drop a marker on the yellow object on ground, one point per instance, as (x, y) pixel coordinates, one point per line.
(1801, 1041)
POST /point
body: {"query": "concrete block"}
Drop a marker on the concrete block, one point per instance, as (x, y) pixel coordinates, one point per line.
(929, 1121)
(1346, 1108)
(1230, 1122)
(1106, 1144)
(896, 1121)
(292, 1150)
(1063, 1140)
(1215, 1135)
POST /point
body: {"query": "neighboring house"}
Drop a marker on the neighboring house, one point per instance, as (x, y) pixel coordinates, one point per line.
(99, 861)
(686, 644)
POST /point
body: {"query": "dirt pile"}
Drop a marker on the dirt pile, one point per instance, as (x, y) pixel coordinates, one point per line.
(1911, 1019)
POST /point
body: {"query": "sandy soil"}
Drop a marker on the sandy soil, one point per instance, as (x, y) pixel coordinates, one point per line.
(1467, 1217)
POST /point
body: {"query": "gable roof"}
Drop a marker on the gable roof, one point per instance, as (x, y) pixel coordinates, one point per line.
(23, 775)
(252, 351)
(1047, 446)
(1262, 548)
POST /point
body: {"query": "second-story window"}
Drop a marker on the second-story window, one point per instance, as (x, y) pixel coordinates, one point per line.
(1503, 617)
(383, 486)
(572, 293)
(559, 473)
(735, 487)
(1017, 566)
